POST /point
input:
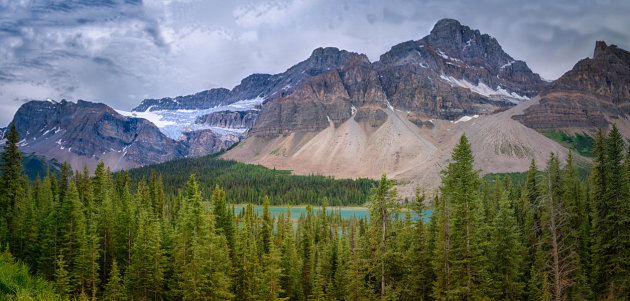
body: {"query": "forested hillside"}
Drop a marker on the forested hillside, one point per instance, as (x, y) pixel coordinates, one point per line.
(104, 237)
(247, 183)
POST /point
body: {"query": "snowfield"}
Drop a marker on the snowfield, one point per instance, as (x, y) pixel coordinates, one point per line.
(173, 123)
(483, 89)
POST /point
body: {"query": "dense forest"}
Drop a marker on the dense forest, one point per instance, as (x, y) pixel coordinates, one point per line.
(247, 183)
(99, 236)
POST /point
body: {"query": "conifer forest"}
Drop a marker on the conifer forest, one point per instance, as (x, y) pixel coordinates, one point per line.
(173, 235)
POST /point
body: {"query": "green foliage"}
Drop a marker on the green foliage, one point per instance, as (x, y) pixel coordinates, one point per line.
(16, 283)
(247, 183)
(462, 245)
(611, 216)
(581, 143)
(171, 234)
(115, 289)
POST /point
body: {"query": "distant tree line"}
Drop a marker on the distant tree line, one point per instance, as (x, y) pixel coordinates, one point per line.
(247, 183)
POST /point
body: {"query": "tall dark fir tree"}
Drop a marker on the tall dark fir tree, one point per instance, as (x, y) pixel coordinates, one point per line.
(11, 184)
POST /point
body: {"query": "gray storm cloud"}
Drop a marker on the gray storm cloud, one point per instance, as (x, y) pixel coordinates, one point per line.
(119, 52)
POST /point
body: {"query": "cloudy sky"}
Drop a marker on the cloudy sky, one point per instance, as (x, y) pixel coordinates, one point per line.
(121, 51)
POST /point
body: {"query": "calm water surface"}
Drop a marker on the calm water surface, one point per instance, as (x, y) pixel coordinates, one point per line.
(346, 212)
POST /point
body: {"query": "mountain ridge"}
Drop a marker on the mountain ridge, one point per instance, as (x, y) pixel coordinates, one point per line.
(594, 93)
(450, 82)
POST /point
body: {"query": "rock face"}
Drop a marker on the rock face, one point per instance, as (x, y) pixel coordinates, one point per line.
(455, 71)
(202, 100)
(69, 131)
(593, 94)
(203, 142)
(332, 97)
(230, 119)
(452, 72)
(85, 133)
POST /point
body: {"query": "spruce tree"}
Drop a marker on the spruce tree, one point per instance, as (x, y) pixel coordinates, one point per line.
(267, 227)
(12, 196)
(384, 199)
(460, 184)
(507, 253)
(11, 168)
(419, 276)
(115, 289)
(289, 262)
(611, 217)
(62, 279)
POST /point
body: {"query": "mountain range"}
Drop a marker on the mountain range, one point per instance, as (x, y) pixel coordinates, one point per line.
(337, 113)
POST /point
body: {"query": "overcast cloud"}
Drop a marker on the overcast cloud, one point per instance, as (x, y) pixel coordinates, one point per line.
(121, 51)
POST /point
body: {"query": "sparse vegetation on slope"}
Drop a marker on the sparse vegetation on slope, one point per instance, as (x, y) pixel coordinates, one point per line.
(581, 143)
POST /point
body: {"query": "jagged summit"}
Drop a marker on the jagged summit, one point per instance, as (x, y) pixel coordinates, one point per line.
(462, 42)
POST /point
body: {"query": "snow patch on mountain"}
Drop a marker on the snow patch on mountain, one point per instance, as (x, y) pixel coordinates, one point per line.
(465, 118)
(173, 123)
(482, 89)
(507, 64)
(446, 57)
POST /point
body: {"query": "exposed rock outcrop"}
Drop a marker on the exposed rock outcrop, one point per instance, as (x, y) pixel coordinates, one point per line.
(70, 131)
(198, 101)
(592, 94)
(203, 142)
(230, 119)
(328, 98)
(455, 71)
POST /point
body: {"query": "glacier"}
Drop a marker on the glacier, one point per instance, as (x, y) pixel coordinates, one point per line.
(173, 123)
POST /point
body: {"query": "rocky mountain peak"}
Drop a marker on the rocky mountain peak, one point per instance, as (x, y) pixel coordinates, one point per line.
(600, 49)
(611, 54)
(326, 58)
(462, 42)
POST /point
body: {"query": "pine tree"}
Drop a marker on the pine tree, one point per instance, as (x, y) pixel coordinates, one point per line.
(115, 288)
(507, 253)
(580, 235)
(355, 287)
(460, 183)
(384, 199)
(289, 262)
(92, 255)
(267, 227)
(247, 268)
(223, 218)
(272, 269)
(73, 237)
(145, 273)
(62, 279)
(12, 194)
(220, 269)
(306, 252)
(538, 285)
(10, 181)
(419, 278)
(440, 234)
(611, 217)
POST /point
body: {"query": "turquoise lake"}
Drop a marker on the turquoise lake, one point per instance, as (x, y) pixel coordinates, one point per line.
(346, 212)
